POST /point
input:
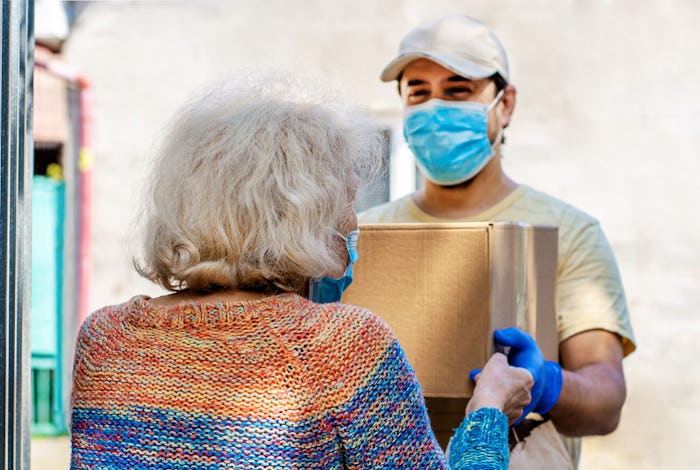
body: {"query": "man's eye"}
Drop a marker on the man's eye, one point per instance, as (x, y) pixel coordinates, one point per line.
(458, 91)
(419, 93)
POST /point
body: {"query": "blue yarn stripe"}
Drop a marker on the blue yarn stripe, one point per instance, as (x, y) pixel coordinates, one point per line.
(131, 438)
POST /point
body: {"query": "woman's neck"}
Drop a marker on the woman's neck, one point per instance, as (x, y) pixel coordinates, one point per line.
(223, 295)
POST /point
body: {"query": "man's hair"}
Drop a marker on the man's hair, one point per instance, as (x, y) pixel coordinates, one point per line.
(499, 81)
(250, 185)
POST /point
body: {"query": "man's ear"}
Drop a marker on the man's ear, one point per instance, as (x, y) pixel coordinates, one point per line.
(507, 104)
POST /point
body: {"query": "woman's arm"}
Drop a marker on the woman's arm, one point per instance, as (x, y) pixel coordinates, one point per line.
(501, 393)
(384, 423)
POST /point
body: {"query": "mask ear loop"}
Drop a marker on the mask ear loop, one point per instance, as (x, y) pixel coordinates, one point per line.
(496, 100)
(350, 239)
(351, 244)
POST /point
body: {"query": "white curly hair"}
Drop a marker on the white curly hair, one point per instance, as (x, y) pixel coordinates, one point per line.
(251, 184)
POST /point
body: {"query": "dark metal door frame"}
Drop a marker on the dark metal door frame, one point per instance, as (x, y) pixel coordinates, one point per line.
(17, 51)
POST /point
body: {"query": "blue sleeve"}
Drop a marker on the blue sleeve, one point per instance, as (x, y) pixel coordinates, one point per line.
(481, 442)
(382, 421)
(385, 424)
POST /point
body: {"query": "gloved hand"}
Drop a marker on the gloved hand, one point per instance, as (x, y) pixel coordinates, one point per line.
(525, 353)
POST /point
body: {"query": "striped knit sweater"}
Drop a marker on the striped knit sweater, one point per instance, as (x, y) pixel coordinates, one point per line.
(277, 383)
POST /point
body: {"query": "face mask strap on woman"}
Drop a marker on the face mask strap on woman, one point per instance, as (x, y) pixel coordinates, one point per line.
(327, 289)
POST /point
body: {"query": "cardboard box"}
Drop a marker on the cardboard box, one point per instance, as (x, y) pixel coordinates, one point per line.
(444, 288)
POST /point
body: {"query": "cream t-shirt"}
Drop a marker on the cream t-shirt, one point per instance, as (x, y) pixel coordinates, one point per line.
(589, 289)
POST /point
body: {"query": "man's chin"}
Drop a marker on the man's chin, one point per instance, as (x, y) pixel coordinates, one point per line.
(462, 185)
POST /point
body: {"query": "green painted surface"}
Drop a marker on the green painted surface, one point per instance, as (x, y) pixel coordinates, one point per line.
(48, 202)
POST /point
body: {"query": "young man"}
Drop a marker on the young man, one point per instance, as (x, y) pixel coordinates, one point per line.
(453, 80)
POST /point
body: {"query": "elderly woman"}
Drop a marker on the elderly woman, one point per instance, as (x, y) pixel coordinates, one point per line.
(251, 362)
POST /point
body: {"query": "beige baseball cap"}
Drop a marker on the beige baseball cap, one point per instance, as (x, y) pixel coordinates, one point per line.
(459, 43)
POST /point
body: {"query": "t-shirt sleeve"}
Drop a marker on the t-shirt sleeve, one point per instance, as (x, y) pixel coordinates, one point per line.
(590, 293)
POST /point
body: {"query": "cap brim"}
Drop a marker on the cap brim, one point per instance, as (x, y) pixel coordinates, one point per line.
(461, 67)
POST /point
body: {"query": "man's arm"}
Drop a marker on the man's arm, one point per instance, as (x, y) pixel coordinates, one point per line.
(593, 389)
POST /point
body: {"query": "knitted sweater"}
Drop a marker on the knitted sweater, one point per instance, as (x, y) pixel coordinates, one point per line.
(277, 383)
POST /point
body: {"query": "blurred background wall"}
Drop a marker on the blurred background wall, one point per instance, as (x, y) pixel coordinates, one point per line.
(607, 118)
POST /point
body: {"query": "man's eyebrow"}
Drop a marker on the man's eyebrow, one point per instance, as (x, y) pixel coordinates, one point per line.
(457, 78)
(416, 82)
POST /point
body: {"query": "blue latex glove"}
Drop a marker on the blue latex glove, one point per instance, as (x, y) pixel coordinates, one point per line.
(524, 352)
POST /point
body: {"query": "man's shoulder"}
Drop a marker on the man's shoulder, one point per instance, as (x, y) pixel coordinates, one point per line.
(389, 212)
(538, 207)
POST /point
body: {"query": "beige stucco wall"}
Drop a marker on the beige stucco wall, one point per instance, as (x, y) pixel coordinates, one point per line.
(608, 118)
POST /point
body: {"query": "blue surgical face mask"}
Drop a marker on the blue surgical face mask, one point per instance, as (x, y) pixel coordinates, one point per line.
(327, 289)
(449, 138)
